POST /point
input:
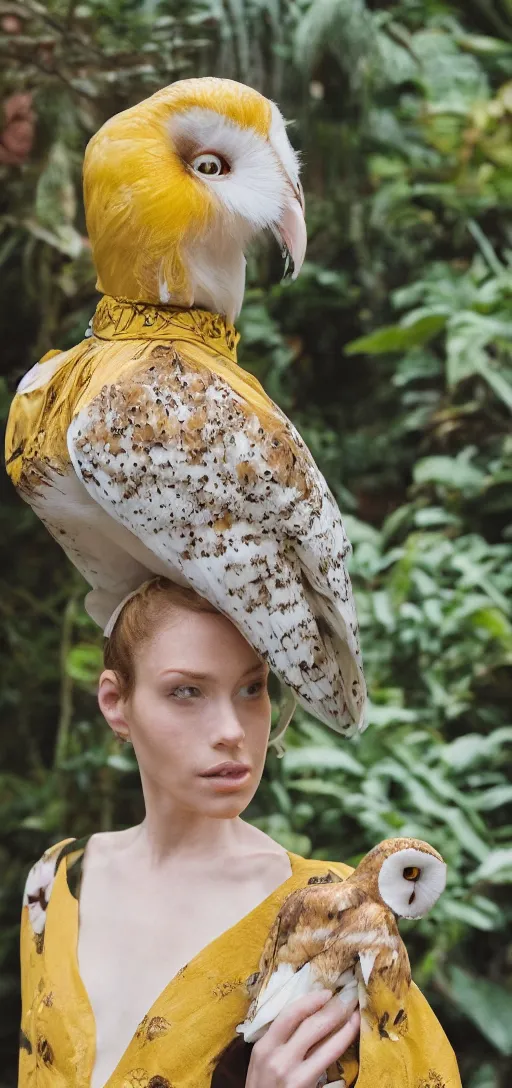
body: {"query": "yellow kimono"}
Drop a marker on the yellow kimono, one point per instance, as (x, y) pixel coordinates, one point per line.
(188, 1037)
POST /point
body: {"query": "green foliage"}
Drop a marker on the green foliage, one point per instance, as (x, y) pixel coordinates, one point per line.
(392, 353)
(490, 1008)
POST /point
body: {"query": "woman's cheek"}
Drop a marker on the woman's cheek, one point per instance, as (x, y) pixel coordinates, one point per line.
(154, 721)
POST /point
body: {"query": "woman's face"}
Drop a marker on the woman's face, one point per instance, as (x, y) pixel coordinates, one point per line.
(200, 699)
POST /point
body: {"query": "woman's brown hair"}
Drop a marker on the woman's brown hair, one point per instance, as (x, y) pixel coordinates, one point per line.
(139, 619)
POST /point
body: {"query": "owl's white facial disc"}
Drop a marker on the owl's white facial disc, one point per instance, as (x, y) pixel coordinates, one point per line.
(253, 191)
(254, 186)
(411, 881)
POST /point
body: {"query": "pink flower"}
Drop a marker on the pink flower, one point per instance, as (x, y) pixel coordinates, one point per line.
(18, 134)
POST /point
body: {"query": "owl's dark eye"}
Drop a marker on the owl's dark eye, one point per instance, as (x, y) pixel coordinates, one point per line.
(411, 872)
(210, 165)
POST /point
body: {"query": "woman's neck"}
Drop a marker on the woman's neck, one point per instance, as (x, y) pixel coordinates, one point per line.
(166, 838)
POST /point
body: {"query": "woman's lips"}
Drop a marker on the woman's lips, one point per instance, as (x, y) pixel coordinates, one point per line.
(226, 782)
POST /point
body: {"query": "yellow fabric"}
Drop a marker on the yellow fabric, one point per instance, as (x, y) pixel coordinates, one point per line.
(124, 333)
(195, 1017)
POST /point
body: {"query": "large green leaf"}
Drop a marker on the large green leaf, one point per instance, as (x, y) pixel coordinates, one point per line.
(489, 1007)
(500, 384)
(397, 337)
(493, 798)
(453, 80)
(450, 472)
(84, 663)
(55, 202)
(496, 867)
(321, 759)
(470, 914)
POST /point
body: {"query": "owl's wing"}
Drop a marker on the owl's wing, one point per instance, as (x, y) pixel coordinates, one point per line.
(330, 878)
(314, 906)
(107, 555)
(297, 957)
(230, 497)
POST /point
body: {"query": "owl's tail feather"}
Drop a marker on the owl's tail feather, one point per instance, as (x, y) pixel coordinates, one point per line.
(339, 645)
(283, 987)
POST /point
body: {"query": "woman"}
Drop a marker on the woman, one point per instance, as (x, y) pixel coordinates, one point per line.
(136, 944)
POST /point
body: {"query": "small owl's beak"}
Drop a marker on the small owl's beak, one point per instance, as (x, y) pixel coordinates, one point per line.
(291, 234)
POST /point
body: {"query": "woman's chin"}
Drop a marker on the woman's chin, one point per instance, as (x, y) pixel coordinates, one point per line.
(226, 808)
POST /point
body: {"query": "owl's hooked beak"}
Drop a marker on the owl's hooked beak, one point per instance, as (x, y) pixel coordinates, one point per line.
(291, 234)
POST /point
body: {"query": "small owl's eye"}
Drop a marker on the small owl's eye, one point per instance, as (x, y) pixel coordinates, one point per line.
(412, 872)
(210, 165)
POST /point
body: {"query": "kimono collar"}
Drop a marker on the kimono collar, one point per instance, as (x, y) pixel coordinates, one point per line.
(122, 319)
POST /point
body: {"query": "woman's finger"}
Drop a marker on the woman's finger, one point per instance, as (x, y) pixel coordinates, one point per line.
(327, 1052)
(284, 1025)
(318, 1027)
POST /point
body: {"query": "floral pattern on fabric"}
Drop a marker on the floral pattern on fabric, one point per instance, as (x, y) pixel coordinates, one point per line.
(432, 1081)
(152, 1028)
(37, 893)
(225, 988)
(44, 1051)
(139, 1078)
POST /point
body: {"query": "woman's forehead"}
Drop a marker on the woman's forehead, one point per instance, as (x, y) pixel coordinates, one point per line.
(199, 641)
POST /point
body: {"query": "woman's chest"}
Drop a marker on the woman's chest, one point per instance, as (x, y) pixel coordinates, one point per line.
(126, 960)
(131, 948)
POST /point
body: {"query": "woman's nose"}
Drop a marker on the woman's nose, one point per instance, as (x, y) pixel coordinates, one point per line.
(230, 729)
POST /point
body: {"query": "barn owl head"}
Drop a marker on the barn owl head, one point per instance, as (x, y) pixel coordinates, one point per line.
(177, 186)
(410, 875)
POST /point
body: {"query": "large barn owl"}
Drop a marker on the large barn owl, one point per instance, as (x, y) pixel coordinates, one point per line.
(344, 936)
(146, 449)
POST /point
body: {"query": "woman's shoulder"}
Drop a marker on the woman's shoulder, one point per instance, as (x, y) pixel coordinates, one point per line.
(41, 878)
(324, 871)
(42, 872)
(317, 870)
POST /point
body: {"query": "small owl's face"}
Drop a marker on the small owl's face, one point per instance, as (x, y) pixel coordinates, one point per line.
(411, 879)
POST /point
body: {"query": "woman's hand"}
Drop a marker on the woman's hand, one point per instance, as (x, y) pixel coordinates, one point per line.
(302, 1042)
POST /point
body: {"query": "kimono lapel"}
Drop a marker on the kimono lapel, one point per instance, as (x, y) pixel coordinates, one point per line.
(180, 1041)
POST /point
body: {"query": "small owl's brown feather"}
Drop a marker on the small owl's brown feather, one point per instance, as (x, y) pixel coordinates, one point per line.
(304, 919)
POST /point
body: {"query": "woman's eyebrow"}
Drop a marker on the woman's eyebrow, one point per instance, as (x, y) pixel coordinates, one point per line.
(259, 667)
(187, 672)
(255, 668)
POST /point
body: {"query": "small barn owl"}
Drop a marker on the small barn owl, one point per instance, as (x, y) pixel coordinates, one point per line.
(343, 936)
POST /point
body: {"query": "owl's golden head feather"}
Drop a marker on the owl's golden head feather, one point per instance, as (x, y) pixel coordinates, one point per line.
(408, 875)
(177, 186)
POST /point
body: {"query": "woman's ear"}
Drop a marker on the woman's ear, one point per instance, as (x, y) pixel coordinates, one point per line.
(112, 704)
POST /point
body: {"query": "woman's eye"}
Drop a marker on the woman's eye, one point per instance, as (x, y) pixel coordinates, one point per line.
(210, 165)
(251, 690)
(185, 692)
